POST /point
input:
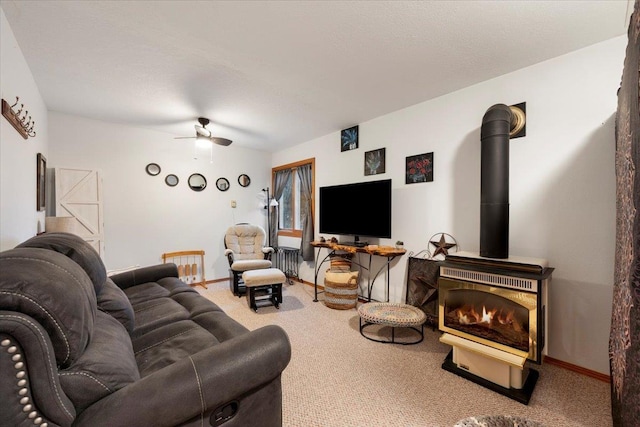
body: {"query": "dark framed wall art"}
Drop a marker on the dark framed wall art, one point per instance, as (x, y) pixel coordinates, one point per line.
(419, 168)
(374, 162)
(349, 139)
(41, 182)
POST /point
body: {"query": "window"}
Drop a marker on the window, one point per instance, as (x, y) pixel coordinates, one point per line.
(293, 205)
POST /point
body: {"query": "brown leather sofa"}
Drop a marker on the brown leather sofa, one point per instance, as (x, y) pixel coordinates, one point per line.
(137, 349)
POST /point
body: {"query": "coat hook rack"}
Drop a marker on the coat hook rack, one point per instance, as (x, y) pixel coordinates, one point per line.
(21, 121)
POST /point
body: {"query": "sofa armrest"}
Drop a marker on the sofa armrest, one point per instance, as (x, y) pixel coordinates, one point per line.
(144, 275)
(195, 386)
(24, 341)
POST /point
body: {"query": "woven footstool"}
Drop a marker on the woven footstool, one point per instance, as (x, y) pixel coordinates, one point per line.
(393, 315)
(264, 285)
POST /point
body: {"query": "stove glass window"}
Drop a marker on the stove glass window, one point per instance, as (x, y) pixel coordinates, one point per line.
(488, 316)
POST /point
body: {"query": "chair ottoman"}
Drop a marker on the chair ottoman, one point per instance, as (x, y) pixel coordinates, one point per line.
(264, 285)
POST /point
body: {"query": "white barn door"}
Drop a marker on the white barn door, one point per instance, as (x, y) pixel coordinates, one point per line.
(79, 195)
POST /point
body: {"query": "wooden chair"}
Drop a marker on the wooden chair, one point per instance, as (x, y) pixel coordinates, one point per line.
(190, 266)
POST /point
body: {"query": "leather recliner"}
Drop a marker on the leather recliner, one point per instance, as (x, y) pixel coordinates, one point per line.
(138, 349)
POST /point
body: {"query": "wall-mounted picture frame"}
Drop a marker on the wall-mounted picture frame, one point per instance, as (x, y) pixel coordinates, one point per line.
(374, 162)
(349, 139)
(419, 168)
(41, 182)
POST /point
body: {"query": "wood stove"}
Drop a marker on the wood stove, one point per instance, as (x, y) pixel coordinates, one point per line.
(493, 313)
(493, 307)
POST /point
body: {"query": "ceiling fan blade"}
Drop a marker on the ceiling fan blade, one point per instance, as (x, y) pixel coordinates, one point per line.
(221, 141)
(185, 137)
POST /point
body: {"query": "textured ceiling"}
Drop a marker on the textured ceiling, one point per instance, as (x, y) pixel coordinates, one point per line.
(273, 74)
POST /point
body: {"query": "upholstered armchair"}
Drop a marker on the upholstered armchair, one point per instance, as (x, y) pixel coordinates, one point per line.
(245, 250)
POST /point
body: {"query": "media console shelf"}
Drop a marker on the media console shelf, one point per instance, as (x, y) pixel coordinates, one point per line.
(388, 252)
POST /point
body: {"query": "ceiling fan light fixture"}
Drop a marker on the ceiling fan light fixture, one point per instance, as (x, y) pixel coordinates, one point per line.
(202, 132)
(203, 142)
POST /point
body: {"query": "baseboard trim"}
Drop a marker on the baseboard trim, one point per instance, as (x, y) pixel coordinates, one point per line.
(579, 369)
(226, 279)
(304, 282)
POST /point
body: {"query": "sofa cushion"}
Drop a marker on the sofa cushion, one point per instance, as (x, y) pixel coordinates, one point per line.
(145, 292)
(112, 300)
(75, 248)
(175, 286)
(157, 312)
(107, 365)
(55, 291)
(195, 303)
(220, 325)
(170, 343)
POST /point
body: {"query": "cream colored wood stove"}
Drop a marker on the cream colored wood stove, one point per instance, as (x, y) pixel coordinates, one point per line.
(493, 314)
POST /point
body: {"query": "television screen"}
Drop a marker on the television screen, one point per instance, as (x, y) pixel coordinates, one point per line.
(361, 209)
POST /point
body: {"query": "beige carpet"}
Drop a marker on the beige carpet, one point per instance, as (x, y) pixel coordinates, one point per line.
(338, 378)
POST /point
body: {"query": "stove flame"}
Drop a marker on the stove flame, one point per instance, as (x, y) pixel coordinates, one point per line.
(468, 315)
(487, 316)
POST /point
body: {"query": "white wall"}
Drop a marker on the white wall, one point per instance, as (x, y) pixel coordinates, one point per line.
(143, 217)
(562, 183)
(19, 217)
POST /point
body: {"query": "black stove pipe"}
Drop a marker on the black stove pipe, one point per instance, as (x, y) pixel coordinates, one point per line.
(494, 182)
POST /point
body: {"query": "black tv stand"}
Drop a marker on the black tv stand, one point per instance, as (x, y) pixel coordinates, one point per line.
(357, 244)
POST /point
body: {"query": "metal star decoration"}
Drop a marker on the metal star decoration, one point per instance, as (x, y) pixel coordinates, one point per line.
(442, 247)
(431, 289)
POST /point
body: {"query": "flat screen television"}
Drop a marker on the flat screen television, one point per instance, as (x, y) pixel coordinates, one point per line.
(360, 209)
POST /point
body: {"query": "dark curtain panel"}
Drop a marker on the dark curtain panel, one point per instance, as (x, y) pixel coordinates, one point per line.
(305, 174)
(279, 183)
(624, 341)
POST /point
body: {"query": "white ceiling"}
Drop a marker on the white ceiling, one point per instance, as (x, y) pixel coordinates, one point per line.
(272, 74)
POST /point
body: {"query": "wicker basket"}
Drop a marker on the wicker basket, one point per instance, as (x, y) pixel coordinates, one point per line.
(341, 290)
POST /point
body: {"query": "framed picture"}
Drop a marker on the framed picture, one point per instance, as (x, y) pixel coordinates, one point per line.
(419, 168)
(41, 182)
(349, 139)
(374, 162)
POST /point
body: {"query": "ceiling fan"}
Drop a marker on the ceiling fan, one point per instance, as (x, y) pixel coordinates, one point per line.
(203, 133)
